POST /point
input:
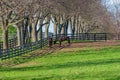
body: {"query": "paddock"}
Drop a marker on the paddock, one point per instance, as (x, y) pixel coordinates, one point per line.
(80, 59)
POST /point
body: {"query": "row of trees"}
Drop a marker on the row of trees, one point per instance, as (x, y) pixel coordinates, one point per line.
(30, 16)
(115, 11)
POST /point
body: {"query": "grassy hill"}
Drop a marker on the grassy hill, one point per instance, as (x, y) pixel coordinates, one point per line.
(82, 63)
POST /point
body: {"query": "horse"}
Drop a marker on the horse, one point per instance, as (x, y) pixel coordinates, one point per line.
(50, 42)
(61, 39)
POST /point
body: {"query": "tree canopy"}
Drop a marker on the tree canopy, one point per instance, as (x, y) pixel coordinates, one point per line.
(31, 15)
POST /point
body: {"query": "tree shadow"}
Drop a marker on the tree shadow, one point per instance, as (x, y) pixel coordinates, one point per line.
(65, 65)
(27, 58)
(79, 76)
(114, 78)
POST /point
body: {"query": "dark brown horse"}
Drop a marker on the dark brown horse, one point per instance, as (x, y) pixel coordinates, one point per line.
(61, 39)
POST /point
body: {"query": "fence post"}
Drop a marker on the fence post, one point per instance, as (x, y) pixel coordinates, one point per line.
(0, 51)
(41, 43)
(105, 36)
(94, 36)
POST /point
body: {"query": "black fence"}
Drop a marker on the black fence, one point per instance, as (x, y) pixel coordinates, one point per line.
(84, 36)
(19, 50)
(11, 43)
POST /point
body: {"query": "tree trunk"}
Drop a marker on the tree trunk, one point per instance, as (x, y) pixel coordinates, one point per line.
(24, 30)
(76, 26)
(55, 28)
(47, 27)
(34, 37)
(39, 32)
(38, 35)
(59, 28)
(73, 29)
(22, 34)
(5, 39)
(46, 30)
(41, 35)
(63, 29)
(66, 27)
(70, 26)
(19, 35)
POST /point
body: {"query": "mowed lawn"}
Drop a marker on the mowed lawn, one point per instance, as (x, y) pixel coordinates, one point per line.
(69, 64)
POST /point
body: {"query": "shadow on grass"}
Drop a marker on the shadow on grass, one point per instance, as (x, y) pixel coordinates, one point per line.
(114, 78)
(64, 77)
(43, 78)
(80, 76)
(27, 57)
(65, 65)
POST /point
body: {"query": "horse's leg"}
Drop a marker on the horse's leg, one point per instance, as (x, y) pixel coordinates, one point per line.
(51, 42)
(49, 45)
(68, 40)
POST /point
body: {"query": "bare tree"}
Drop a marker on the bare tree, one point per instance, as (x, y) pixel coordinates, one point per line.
(8, 17)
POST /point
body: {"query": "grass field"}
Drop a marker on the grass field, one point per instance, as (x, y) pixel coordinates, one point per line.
(69, 64)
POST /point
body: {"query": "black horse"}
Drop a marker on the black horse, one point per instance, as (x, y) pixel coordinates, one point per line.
(61, 39)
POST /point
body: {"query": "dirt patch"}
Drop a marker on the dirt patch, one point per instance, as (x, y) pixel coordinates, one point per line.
(88, 45)
(94, 44)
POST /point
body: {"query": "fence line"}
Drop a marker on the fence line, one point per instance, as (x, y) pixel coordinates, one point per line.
(19, 50)
(11, 43)
(84, 36)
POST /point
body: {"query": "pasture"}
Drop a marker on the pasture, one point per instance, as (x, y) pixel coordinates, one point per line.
(79, 61)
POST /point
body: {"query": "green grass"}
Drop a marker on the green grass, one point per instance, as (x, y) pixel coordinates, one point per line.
(82, 41)
(79, 64)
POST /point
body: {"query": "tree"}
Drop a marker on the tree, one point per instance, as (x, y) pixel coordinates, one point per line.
(8, 18)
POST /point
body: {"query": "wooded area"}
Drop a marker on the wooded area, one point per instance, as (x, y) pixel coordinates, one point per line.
(80, 16)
